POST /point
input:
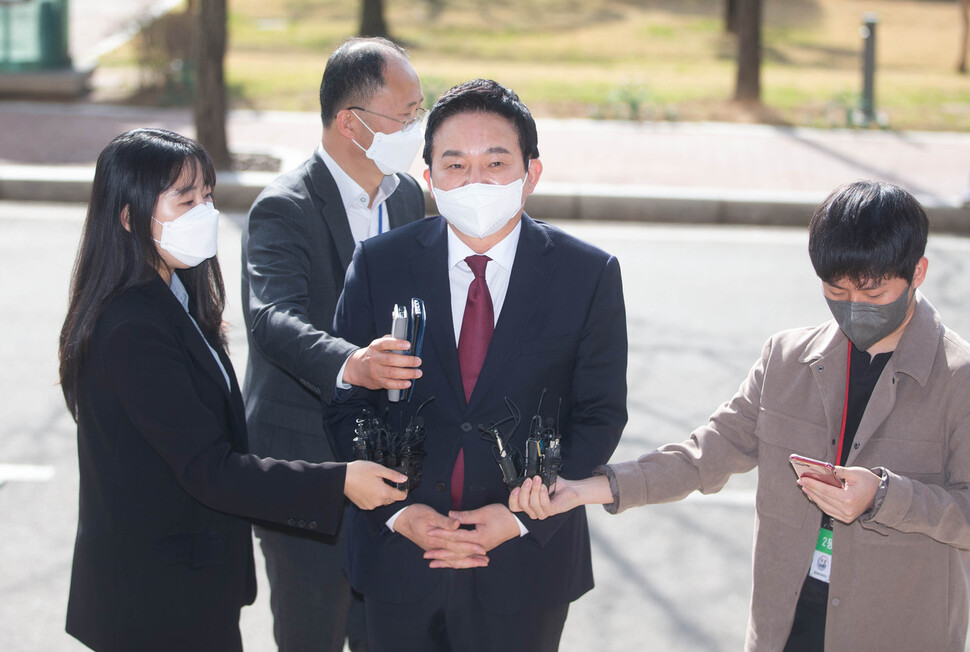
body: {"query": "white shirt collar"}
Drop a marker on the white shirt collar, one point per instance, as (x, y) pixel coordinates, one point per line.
(502, 252)
(352, 194)
(178, 289)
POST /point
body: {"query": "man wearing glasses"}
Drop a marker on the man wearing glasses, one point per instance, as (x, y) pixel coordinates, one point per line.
(297, 244)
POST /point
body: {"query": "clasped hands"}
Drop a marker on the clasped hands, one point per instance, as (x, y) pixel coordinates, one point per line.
(446, 544)
(844, 504)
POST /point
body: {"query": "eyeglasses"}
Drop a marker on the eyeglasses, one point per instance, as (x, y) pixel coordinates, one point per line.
(405, 124)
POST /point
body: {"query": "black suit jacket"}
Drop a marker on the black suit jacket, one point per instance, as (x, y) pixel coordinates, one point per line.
(297, 245)
(563, 329)
(162, 559)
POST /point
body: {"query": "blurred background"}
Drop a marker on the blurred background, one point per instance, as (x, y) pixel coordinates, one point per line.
(690, 138)
(790, 62)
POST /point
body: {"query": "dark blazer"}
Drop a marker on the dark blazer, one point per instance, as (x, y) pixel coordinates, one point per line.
(163, 559)
(562, 328)
(296, 247)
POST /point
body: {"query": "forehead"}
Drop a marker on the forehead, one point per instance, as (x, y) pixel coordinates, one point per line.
(401, 83)
(476, 132)
(189, 178)
(866, 285)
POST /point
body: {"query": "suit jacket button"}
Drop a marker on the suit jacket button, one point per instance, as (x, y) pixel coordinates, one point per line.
(291, 522)
(313, 525)
(440, 486)
(302, 523)
(466, 427)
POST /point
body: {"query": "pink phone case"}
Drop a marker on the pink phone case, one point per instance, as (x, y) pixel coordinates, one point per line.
(815, 469)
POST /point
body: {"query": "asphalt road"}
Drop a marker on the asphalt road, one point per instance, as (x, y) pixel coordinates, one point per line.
(701, 301)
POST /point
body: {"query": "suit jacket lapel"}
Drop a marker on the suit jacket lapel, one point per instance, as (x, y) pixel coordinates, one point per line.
(238, 408)
(199, 350)
(531, 273)
(398, 207)
(432, 283)
(195, 344)
(331, 208)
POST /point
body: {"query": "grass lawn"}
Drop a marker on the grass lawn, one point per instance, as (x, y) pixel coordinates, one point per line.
(650, 59)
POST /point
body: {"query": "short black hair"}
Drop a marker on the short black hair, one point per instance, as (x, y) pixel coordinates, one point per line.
(485, 96)
(867, 231)
(354, 73)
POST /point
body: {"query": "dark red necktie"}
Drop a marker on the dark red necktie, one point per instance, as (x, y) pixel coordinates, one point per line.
(477, 325)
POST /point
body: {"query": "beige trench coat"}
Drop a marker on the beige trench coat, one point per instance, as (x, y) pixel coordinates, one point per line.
(899, 575)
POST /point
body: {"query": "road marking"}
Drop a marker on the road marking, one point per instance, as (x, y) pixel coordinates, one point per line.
(25, 473)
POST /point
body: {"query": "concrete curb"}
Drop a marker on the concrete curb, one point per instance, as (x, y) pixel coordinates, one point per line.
(652, 204)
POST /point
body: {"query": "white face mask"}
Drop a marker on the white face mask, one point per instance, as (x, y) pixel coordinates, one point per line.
(393, 152)
(193, 236)
(480, 209)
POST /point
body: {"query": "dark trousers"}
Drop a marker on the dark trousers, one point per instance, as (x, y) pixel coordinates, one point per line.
(808, 630)
(314, 608)
(453, 619)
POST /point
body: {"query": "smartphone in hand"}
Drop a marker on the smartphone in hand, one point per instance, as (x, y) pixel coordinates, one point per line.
(815, 469)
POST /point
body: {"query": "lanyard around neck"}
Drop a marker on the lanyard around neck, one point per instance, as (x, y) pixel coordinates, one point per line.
(845, 406)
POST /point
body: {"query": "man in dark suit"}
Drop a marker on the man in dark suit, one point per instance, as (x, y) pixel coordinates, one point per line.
(515, 308)
(298, 241)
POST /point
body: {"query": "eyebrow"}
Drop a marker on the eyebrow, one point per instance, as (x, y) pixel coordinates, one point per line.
(188, 188)
(870, 285)
(497, 149)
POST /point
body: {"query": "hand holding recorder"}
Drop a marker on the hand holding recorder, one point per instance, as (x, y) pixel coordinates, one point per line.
(408, 326)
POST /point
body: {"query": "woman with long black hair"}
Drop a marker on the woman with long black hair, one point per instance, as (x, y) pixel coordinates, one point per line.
(163, 556)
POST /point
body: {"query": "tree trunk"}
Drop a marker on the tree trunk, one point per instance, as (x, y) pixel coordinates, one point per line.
(372, 19)
(749, 51)
(210, 87)
(964, 35)
(731, 16)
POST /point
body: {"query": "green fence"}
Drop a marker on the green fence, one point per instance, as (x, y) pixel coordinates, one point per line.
(33, 35)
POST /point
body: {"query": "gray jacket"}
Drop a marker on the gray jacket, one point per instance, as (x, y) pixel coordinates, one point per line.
(899, 573)
(296, 247)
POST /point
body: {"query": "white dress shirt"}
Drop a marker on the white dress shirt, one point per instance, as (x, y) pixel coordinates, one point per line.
(366, 219)
(497, 273)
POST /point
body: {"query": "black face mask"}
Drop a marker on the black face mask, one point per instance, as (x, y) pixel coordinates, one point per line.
(867, 323)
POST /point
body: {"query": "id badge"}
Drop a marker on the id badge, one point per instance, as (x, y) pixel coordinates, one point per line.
(822, 559)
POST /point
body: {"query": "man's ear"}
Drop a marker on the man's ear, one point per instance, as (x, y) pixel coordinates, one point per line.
(427, 179)
(919, 274)
(347, 124)
(125, 218)
(532, 177)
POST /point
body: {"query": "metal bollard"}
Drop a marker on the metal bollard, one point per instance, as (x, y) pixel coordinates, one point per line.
(868, 33)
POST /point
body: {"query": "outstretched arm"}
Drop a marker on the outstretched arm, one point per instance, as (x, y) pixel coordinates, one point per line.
(533, 497)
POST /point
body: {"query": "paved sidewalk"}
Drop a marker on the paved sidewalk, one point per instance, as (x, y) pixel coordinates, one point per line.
(662, 172)
(672, 172)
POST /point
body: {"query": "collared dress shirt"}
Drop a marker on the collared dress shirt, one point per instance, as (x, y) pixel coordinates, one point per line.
(366, 218)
